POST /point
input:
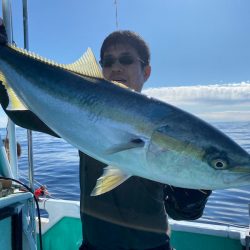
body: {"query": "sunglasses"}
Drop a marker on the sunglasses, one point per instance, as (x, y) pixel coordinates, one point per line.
(125, 60)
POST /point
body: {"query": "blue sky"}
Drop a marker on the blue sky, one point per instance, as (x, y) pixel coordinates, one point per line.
(193, 43)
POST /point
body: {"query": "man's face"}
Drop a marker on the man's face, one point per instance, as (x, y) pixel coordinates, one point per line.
(128, 70)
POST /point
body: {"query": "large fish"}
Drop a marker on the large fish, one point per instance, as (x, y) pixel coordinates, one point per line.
(132, 133)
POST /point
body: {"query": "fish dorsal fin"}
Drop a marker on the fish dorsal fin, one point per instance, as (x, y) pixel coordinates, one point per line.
(86, 65)
(35, 56)
(14, 102)
(111, 178)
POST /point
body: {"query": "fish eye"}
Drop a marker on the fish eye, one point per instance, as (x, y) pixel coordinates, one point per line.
(219, 164)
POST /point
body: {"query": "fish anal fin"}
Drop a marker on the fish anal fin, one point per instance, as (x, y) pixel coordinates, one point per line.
(14, 102)
(111, 178)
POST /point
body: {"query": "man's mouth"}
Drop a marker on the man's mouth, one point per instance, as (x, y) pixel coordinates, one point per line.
(120, 80)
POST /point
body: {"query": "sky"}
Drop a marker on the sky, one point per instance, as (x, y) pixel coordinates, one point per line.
(200, 49)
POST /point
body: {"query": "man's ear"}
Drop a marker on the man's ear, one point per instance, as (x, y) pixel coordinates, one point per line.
(147, 72)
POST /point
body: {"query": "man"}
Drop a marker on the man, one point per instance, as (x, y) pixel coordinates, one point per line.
(133, 215)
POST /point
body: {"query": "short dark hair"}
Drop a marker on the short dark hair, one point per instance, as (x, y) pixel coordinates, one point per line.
(127, 37)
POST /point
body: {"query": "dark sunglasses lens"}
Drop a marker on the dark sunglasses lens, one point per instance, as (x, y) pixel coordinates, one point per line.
(108, 62)
(126, 60)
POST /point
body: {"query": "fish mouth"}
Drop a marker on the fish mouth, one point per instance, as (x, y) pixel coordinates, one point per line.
(237, 179)
(237, 176)
(240, 169)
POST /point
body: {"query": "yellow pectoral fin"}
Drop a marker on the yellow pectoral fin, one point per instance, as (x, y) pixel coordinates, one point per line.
(111, 178)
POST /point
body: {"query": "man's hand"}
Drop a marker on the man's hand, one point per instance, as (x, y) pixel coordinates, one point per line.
(3, 34)
(185, 204)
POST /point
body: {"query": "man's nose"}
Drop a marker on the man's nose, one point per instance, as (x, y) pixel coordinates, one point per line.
(117, 66)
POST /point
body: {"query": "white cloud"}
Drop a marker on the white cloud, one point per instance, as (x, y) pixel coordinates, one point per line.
(218, 102)
(226, 116)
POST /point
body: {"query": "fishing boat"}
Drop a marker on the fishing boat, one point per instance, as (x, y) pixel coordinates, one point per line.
(22, 226)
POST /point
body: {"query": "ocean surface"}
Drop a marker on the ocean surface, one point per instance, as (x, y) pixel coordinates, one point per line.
(56, 166)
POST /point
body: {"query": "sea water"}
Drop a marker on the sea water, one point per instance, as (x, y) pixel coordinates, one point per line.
(56, 165)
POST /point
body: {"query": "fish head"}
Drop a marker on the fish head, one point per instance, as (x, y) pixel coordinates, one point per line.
(197, 155)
